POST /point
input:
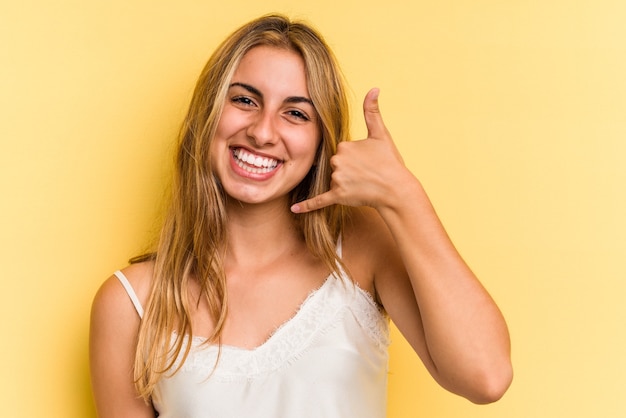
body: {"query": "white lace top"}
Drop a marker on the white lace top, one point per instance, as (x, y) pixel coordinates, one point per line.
(329, 360)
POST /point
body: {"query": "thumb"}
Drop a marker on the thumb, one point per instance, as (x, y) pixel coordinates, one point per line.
(373, 118)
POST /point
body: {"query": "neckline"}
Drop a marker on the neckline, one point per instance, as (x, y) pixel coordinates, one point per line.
(319, 312)
(313, 294)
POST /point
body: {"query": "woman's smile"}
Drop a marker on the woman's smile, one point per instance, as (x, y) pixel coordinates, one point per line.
(253, 164)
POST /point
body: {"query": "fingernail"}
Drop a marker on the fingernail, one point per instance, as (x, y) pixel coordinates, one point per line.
(295, 208)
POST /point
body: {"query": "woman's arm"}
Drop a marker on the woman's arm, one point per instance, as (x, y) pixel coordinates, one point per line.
(421, 280)
(438, 303)
(112, 343)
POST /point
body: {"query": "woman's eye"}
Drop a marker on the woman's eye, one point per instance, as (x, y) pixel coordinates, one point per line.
(246, 101)
(298, 115)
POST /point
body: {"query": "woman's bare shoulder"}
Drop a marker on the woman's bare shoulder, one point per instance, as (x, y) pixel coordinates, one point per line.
(113, 300)
(366, 230)
(139, 276)
(366, 243)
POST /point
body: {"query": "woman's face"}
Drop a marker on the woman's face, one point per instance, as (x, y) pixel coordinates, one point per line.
(267, 137)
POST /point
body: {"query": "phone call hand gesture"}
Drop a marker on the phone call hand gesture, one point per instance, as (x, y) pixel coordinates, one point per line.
(365, 172)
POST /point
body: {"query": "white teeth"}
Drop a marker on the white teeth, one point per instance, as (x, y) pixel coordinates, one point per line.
(254, 163)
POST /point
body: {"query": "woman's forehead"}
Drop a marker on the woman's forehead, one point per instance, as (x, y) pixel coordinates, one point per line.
(277, 69)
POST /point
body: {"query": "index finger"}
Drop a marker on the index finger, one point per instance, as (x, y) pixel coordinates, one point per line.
(316, 202)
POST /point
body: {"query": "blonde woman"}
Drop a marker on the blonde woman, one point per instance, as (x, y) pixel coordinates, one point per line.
(285, 250)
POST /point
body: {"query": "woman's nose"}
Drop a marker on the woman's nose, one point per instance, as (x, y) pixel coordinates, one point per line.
(262, 129)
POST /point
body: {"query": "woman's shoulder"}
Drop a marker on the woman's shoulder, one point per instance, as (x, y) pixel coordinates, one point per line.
(139, 275)
(113, 299)
(365, 245)
(366, 230)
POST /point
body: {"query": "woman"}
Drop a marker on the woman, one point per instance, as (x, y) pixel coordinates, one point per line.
(285, 248)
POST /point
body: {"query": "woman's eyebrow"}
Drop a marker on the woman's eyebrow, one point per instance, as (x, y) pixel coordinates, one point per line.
(248, 87)
(257, 92)
(299, 99)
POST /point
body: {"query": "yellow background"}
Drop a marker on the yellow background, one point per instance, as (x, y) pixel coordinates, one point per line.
(512, 113)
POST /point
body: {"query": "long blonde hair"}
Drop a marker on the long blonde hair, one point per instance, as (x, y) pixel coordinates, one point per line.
(194, 230)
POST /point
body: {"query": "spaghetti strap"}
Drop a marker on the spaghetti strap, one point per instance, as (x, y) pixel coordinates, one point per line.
(131, 292)
(338, 248)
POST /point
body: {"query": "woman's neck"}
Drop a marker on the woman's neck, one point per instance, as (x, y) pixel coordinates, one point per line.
(260, 232)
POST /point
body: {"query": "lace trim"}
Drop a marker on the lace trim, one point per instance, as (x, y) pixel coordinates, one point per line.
(322, 310)
(372, 318)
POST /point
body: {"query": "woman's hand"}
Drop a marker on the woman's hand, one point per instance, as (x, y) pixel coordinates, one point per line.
(369, 172)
